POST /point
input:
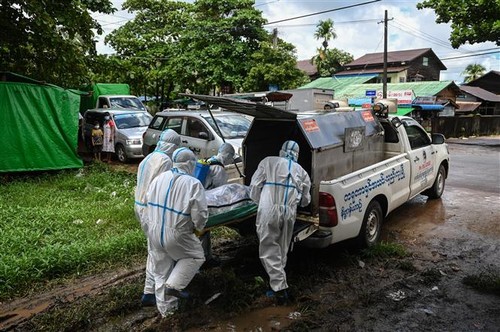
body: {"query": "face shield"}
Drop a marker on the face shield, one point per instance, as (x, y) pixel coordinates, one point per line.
(290, 150)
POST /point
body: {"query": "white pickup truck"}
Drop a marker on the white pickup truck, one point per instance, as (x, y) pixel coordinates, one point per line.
(355, 205)
(363, 165)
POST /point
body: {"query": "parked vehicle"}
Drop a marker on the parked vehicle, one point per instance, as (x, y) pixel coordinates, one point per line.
(198, 130)
(130, 125)
(201, 134)
(109, 95)
(363, 165)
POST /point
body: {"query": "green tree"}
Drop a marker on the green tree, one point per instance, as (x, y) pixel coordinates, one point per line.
(218, 44)
(50, 40)
(472, 21)
(332, 61)
(148, 45)
(326, 32)
(274, 65)
(473, 71)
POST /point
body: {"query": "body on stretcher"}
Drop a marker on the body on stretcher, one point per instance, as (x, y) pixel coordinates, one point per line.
(231, 204)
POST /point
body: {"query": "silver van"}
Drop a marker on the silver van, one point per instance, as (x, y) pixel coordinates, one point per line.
(130, 125)
(198, 130)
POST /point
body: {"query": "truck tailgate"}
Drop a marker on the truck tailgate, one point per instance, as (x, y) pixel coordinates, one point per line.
(304, 227)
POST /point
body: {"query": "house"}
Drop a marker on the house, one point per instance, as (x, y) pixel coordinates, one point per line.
(308, 68)
(489, 82)
(476, 100)
(402, 66)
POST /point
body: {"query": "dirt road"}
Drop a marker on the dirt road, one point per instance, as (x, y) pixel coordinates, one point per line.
(451, 249)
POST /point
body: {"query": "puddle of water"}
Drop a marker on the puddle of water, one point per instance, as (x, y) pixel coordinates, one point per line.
(265, 319)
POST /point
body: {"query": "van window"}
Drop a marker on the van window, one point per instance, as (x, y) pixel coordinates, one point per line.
(103, 102)
(195, 127)
(157, 122)
(175, 124)
(231, 125)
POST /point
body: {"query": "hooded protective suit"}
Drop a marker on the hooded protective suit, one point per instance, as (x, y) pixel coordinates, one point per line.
(217, 175)
(176, 207)
(278, 185)
(155, 163)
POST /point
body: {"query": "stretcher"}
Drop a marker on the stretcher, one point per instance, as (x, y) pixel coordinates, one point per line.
(302, 228)
(233, 216)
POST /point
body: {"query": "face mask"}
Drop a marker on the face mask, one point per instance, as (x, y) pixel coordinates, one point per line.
(96, 127)
(106, 118)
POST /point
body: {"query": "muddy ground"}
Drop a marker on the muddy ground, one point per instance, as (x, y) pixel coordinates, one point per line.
(434, 274)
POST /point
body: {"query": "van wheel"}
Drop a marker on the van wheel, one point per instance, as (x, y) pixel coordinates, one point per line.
(372, 225)
(437, 188)
(121, 154)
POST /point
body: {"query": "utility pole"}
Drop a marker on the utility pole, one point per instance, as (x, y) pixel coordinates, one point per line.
(384, 75)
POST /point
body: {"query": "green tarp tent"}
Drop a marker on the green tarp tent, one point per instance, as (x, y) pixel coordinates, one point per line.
(39, 125)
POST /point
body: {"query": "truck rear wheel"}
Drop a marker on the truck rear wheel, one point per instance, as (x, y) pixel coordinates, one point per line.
(372, 225)
(438, 187)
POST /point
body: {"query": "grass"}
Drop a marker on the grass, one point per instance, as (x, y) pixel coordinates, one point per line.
(384, 250)
(486, 281)
(65, 223)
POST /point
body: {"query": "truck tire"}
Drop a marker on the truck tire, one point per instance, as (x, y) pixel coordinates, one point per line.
(372, 225)
(437, 188)
(121, 154)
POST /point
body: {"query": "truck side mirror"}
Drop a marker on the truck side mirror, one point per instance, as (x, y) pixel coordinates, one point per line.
(203, 135)
(437, 138)
(396, 122)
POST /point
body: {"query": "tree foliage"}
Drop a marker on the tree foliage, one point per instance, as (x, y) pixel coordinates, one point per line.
(276, 66)
(472, 21)
(473, 71)
(205, 46)
(49, 40)
(331, 61)
(328, 61)
(325, 31)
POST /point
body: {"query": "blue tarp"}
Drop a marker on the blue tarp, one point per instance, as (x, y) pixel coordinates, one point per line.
(428, 107)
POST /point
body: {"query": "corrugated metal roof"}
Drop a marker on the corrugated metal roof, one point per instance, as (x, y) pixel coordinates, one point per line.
(337, 82)
(420, 89)
(307, 67)
(395, 56)
(480, 93)
(372, 71)
(467, 106)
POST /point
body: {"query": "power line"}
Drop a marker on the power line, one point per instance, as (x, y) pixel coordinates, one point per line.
(471, 55)
(322, 12)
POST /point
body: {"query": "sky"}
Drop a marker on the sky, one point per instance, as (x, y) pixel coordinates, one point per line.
(359, 29)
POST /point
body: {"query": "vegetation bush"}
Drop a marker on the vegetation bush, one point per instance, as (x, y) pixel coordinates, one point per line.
(66, 223)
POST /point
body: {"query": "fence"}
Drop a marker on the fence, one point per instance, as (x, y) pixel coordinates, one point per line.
(479, 125)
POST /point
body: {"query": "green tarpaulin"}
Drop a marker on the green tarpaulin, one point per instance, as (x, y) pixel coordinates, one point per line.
(39, 127)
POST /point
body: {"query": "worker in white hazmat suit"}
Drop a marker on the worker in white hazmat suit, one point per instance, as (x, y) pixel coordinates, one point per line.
(176, 208)
(216, 177)
(151, 166)
(278, 185)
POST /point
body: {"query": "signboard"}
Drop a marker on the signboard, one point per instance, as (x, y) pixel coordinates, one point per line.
(371, 93)
(425, 100)
(404, 97)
